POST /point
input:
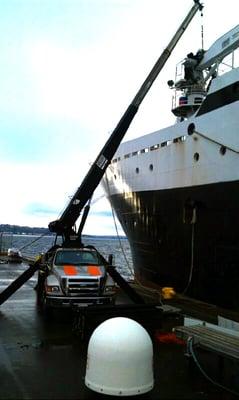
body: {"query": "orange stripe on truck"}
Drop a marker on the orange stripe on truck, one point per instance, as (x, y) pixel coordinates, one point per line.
(93, 270)
(70, 270)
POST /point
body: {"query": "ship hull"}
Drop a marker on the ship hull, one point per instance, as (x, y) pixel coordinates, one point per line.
(201, 259)
(176, 195)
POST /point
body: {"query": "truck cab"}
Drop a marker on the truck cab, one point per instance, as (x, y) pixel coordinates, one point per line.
(75, 276)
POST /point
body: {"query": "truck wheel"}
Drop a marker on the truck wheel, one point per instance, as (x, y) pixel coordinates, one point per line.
(43, 307)
(112, 301)
(40, 288)
(46, 310)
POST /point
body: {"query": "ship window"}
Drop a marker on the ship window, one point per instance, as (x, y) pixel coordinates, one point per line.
(175, 140)
(226, 42)
(151, 167)
(127, 155)
(115, 176)
(142, 151)
(223, 150)
(137, 170)
(134, 153)
(182, 138)
(196, 156)
(198, 100)
(114, 161)
(154, 147)
(118, 158)
(167, 143)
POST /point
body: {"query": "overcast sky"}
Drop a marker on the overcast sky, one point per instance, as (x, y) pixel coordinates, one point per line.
(68, 70)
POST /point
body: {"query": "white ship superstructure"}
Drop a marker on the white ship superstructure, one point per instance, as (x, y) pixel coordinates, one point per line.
(176, 190)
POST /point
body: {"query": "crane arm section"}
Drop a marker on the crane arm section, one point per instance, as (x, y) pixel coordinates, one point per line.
(223, 46)
(65, 224)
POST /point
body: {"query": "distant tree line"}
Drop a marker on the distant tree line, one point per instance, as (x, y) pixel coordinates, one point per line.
(27, 230)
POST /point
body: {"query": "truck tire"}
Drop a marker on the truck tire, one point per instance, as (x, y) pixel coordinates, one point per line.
(40, 287)
(41, 297)
(44, 308)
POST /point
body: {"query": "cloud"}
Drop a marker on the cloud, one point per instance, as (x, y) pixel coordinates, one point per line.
(102, 213)
(36, 194)
(40, 209)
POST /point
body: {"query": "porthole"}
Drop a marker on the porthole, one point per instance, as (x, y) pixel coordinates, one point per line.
(137, 170)
(223, 150)
(196, 156)
(115, 176)
(151, 167)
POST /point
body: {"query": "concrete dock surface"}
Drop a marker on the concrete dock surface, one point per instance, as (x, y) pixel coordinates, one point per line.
(44, 357)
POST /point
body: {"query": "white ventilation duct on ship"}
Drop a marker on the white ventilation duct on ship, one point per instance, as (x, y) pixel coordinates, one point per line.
(120, 358)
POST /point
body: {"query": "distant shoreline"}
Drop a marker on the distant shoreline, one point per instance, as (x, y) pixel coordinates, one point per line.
(27, 230)
(23, 230)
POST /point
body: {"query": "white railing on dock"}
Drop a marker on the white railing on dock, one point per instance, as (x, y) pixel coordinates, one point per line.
(217, 339)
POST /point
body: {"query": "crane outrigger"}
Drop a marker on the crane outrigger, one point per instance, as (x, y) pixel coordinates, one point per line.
(80, 202)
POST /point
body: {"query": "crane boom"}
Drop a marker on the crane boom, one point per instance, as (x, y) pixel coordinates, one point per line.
(223, 46)
(65, 224)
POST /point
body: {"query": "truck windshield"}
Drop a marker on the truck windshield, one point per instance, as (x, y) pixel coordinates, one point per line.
(76, 258)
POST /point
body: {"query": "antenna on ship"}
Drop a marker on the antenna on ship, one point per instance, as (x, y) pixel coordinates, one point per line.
(202, 28)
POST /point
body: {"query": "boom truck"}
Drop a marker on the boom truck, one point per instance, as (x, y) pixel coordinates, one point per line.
(71, 272)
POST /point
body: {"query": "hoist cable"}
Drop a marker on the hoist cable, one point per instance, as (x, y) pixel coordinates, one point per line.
(142, 287)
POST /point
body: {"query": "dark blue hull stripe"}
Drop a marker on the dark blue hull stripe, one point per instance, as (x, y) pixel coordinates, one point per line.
(218, 99)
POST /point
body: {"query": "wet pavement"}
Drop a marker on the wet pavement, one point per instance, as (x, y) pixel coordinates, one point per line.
(44, 358)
